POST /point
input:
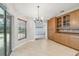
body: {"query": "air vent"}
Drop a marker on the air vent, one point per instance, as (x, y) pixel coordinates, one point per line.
(61, 11)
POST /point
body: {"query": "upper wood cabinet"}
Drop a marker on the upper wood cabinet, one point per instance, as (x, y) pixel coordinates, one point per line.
(74, 20)
(59, 23)
(68, 22)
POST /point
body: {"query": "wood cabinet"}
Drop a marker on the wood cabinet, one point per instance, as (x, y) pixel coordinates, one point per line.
(66, 22)
(65, 29)
(69, 22)
(74, 20)
(51, 27)
(67, 40)
(59, 23)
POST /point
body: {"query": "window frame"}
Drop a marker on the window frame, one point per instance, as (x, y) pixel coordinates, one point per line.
(25, 28)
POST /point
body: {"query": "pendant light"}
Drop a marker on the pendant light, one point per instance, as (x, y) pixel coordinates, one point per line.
(38, 19)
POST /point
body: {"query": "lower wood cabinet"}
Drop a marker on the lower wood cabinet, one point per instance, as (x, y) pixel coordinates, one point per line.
(74, 43)
(67, 40)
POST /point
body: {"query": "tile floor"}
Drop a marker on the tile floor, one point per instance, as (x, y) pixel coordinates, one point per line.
(43, 48)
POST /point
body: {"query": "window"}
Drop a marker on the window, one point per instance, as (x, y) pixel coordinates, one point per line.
(40, 33)
(21, 29)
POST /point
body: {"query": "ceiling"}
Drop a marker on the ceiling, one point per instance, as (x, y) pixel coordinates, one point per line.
(46, 10)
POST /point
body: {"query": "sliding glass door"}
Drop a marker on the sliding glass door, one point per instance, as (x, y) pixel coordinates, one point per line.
(8, 33)
(5, 32)
(2, 48)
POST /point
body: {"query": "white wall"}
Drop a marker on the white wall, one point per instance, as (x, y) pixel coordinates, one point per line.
(45, 28)
(30, 27)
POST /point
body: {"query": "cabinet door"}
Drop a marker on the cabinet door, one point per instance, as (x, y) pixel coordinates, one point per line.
(74, 20)
(51, 28)
(74, 42)
(77, 19)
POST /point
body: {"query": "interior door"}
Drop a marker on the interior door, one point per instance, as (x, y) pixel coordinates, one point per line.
(2, 47)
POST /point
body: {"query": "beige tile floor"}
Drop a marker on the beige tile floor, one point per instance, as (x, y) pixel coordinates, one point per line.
(43, 48)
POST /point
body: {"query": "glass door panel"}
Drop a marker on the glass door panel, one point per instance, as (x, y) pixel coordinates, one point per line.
(5, 32)
(8, 33)
(2, 49)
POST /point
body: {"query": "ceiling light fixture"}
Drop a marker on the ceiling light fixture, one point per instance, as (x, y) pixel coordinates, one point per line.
(38, 19)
